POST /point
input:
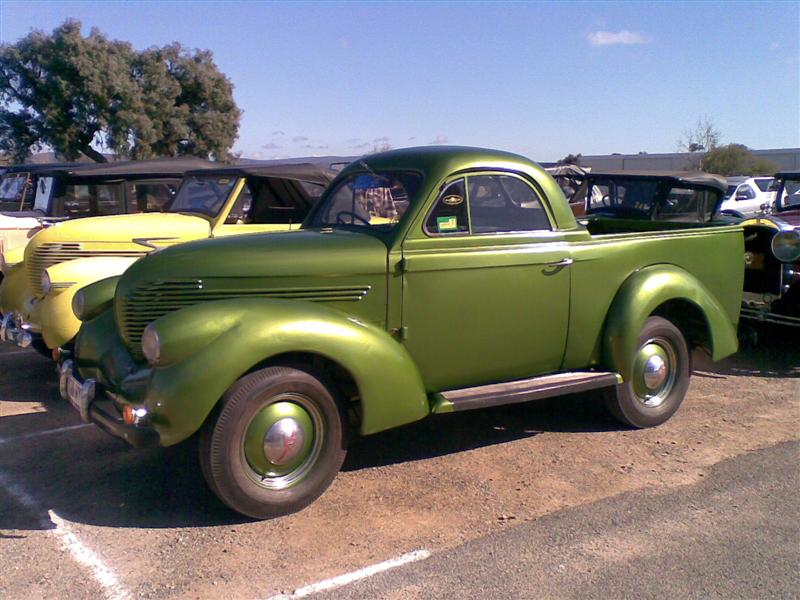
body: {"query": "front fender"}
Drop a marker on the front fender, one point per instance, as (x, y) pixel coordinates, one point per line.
(59, 325)
(228, 338)
(646, 290)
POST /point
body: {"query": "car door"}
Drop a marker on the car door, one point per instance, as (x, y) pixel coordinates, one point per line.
(485, 284)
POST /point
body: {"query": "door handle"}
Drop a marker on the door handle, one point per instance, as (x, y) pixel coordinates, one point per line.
(562, 263)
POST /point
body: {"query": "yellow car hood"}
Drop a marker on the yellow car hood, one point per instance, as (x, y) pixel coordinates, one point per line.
(113, 232)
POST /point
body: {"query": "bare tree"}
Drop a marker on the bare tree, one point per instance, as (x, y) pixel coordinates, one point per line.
(704, 136)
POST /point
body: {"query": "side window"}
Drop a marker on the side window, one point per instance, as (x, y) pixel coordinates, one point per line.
(240, 211)
(502, 203)
(108, 198)
(77, 201)
(152, 196)
(682, 205)
(449, 214)
(745, 192)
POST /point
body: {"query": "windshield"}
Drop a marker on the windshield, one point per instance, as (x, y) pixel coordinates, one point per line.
(204, 195)
(731, 189)
(375, 200)
(790, 194)
(11, 188)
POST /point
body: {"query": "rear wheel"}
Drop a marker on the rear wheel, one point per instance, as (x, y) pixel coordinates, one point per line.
(276, 443)
(659, 379)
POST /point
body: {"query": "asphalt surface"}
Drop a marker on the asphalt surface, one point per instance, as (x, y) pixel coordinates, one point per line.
(547, 499)
(735, 535)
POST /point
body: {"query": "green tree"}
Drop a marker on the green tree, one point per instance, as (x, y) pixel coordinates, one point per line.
(735, 159)
(78, 94)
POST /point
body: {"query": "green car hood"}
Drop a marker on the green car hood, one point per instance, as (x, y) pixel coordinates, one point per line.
(284, 254)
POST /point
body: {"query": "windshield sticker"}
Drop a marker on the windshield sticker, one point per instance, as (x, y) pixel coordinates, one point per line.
(445, 224)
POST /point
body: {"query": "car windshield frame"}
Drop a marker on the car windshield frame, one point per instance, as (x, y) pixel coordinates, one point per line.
(781, 195)
(219, 201)
(408, 190)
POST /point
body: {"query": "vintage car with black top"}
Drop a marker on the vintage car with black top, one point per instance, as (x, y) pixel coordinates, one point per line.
(675, 198)
(425, 281)
(772, 258)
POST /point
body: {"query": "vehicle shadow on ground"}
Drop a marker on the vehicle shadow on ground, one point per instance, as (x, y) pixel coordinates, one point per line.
(764, 351)
(459, 432)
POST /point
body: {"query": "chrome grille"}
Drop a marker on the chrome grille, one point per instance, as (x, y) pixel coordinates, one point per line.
(52, 253)
(148, 302)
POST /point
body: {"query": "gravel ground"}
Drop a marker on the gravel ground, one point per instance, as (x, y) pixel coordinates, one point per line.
(148, 519)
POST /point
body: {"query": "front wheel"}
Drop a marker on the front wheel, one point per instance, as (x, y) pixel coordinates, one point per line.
(659, 379)
(276, 444)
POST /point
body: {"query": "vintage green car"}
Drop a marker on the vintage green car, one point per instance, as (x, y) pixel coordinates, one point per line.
(426, 280)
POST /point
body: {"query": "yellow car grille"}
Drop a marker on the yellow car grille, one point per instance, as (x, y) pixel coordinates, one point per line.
(52, 253)
(148, 302)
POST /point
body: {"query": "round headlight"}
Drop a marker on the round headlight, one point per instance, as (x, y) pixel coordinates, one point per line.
(786, 246)
(151, 345)
(79, 304)
(46, 286)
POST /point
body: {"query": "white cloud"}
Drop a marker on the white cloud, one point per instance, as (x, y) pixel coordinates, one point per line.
(614, 38)
(439, 139)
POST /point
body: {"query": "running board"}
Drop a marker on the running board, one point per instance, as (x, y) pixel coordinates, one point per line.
(522, 390)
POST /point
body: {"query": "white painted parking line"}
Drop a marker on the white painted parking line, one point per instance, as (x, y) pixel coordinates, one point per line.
(79, 551)
(348, 578)
(35, 434)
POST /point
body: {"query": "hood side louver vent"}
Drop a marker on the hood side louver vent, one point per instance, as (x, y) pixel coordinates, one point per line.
(52, 253)
(148, 302)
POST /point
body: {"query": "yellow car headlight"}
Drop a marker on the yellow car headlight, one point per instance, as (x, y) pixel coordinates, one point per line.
(47, 286)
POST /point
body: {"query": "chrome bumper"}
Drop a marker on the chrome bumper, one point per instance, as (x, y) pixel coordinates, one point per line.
(81, 395)
(12, 329)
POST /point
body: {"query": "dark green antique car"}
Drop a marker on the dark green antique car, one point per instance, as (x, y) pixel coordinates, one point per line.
(426, 280)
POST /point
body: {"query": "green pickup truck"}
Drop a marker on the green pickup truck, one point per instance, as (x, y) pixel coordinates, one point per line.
(426, 280)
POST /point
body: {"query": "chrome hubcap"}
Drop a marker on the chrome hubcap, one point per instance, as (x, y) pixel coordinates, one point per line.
(284, 441)
(655, 372)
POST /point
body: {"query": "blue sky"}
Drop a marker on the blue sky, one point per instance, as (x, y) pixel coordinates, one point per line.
(542, 79)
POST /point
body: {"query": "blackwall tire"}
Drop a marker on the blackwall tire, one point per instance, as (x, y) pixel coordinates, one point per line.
(276, 442)
(660, 377)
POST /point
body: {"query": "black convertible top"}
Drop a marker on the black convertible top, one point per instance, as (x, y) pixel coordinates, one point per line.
(299, 171)
(37, 167)
(697, 178)
(787, 175)
(163, 167)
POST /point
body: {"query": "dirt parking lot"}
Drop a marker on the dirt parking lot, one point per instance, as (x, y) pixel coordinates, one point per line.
(85, 516)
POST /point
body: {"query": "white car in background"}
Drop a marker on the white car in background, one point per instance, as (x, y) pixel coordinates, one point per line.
(747, 196)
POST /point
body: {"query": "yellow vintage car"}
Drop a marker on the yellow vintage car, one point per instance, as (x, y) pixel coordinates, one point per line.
(36, 292)
(36, 196)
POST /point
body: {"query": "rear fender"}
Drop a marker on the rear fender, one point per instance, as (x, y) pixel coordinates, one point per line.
(641, 294)
(225, 339)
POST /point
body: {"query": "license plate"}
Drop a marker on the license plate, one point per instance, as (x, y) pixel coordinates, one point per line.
(80, 395)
